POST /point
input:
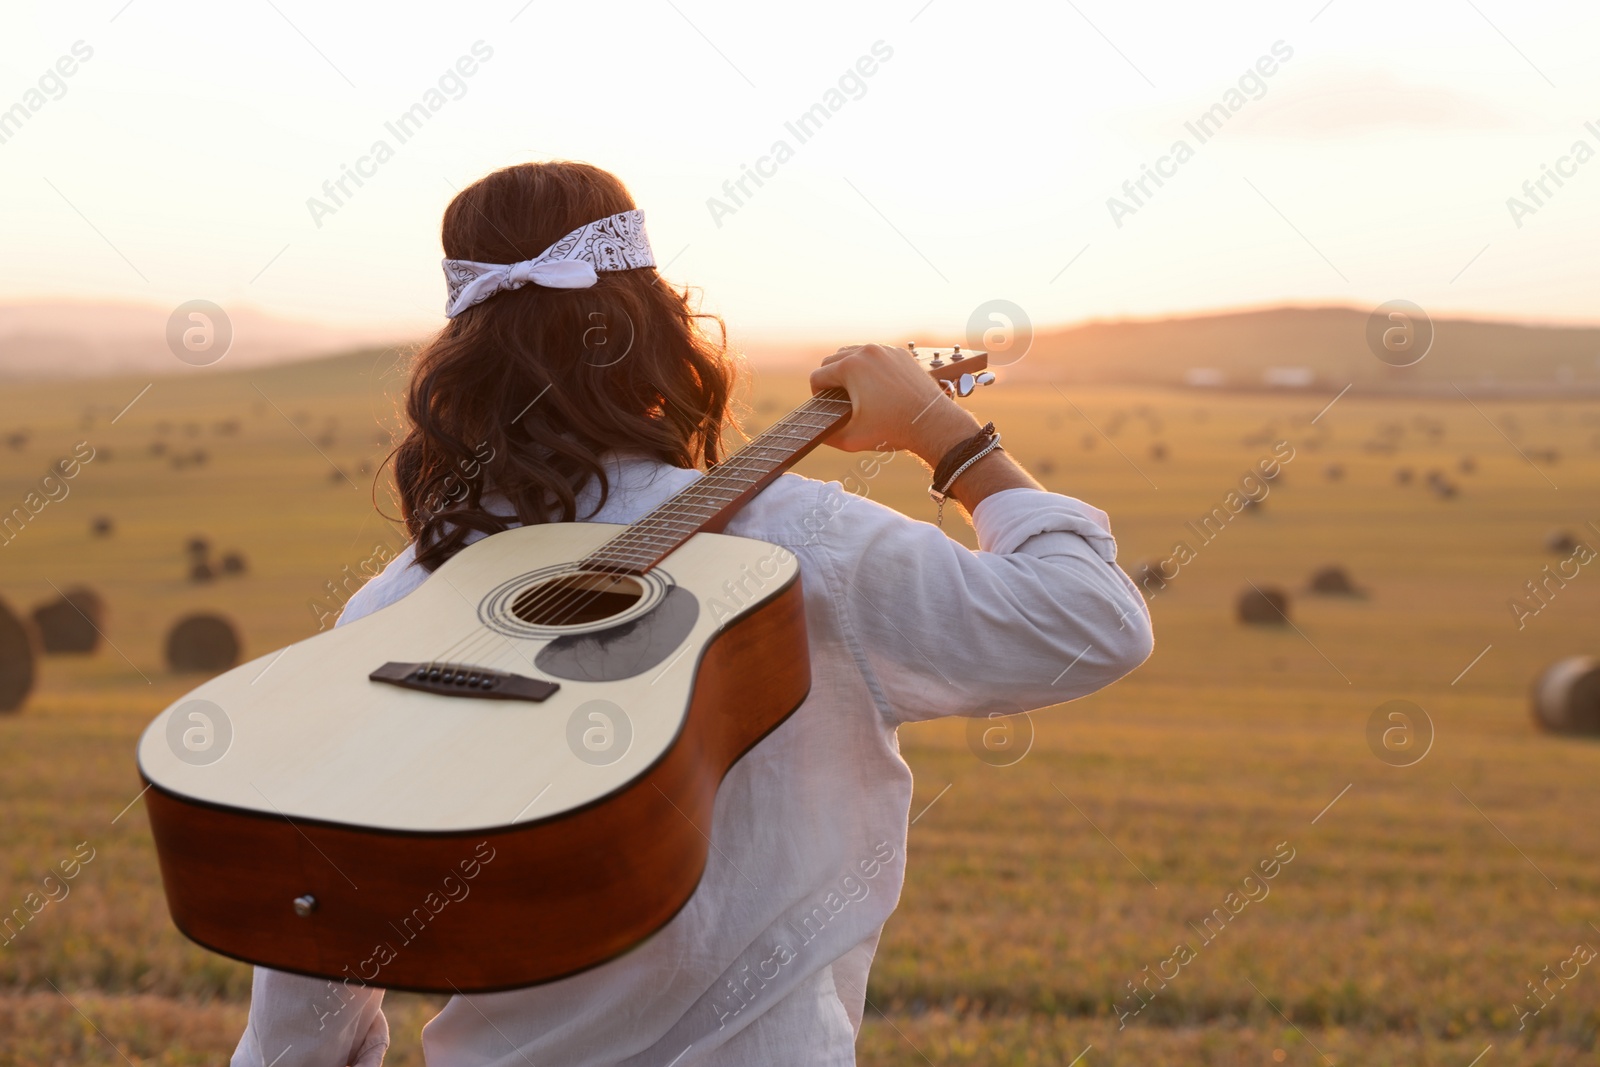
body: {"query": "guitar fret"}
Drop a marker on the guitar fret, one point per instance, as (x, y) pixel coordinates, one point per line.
(655, 536)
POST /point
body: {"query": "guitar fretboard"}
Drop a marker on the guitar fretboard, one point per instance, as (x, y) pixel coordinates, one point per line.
(711, 500)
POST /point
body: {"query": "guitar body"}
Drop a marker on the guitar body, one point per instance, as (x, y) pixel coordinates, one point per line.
(429, 834)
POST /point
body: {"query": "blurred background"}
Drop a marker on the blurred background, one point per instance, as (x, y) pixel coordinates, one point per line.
(1347, 241)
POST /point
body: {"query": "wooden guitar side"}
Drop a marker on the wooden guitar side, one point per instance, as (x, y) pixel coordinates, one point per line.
(492, 910)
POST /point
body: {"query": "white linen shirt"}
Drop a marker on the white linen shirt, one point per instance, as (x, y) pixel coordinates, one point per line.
(766, 966)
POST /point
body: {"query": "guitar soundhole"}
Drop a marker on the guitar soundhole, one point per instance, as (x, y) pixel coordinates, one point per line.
(577, 599)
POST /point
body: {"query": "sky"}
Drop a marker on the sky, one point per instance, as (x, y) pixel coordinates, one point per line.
(1359, 152)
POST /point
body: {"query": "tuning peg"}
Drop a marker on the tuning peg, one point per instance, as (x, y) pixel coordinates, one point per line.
(948, 386)
(984, 377)
(911, 346)
(965, 385)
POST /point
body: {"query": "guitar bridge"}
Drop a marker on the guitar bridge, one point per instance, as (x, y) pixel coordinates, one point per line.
(462, 680)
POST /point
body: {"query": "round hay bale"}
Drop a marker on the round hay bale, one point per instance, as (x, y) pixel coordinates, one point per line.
(1333, 472)
(197, 547)
(16, 660)
(102, 526)
(1146, 575)
(1158, 452)
(1088, 442)
(234, 563)
(202, 642)
(1560, 542)
(200, 572)
(1468, 465)
(1333, 580)
(1263, 607)
(71, 623)
(1403, 476)
(1566, 696)
(1046, 466)
(158, 448)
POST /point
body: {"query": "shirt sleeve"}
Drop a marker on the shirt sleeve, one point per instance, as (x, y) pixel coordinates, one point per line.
(1039, 615)
(311, 1022)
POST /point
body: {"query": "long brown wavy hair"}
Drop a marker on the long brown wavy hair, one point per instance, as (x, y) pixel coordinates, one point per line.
(523, 394)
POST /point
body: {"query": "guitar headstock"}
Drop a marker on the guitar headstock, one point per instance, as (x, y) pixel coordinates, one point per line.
(958, 371)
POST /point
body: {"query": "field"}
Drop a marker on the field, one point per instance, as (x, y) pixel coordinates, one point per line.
(1420, 908)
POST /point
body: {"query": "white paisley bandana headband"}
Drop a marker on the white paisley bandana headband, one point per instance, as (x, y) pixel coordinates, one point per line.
(616, 242)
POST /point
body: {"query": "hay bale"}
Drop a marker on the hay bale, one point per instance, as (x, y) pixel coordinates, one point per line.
(1046, 466)
(1560, 542)
(1566, 696)
(1333, 580)
(16, 660)
(234, 563)
(1333, 472)
(1088, 442)
(201, 571)
(1263, 607)
(1403, 476)
(102, 526)
(1158, 451)
(1147, 576)
(158, 448)
(202, 642)
(1468, 465)
(17, 441)
(71, 623)
(197, 548)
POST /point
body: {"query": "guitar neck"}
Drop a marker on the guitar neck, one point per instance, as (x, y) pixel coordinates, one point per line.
(711, 501)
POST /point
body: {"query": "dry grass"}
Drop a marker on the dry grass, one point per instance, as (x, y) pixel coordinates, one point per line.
(1413, 915)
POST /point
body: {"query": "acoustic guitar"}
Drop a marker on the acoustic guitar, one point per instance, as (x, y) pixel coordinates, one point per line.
(507, 776)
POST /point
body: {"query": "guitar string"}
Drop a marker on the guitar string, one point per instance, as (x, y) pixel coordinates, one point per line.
(642, 540)
(647, 542)
(563, 601)
(639, 539)
(636, 541)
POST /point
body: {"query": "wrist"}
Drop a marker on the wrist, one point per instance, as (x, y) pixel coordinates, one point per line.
(939, 429)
